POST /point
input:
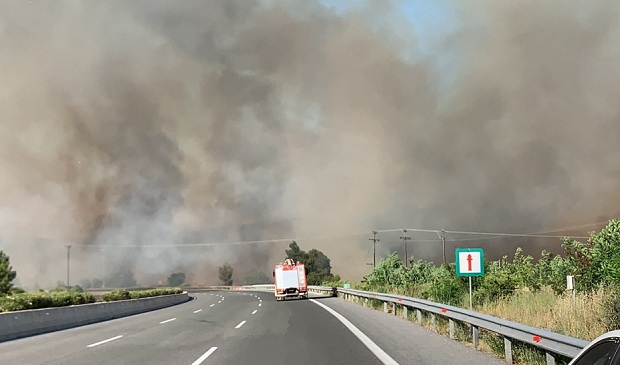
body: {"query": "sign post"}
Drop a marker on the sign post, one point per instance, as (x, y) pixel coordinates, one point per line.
(469, 262)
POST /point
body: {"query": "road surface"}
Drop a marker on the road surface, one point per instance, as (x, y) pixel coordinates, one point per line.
(246, 328)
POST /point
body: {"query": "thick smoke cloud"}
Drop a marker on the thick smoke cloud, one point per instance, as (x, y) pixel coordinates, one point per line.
(153, 123)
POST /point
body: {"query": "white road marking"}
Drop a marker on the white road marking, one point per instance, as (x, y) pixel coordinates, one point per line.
(240, 324)
(219, 302)
(204, 356)
(255, 310)
(260, 300)
(259, 304)
(104, 341)
(373, 347)
(198, 311)
(167, 320)
(212, 305)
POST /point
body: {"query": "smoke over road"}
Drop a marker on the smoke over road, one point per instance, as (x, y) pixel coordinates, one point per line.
(153, 123)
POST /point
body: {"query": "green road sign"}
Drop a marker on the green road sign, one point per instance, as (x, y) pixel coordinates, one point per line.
(469, 262)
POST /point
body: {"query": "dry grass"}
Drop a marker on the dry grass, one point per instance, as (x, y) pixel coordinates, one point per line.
(578, 317)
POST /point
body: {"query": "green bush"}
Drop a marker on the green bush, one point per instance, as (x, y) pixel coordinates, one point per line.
(64, 288)
(37, 300)
(137, 294)
(611, 307)
(116, 295)
(495, 284)
(446, 288)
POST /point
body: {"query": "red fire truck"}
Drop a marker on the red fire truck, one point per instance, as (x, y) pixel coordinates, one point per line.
(289, 278)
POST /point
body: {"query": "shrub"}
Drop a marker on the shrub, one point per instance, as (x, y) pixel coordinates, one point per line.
(446, 288)
(116, 295)
(611, 308)
(137, 294)
(495, 284)
(37, 300)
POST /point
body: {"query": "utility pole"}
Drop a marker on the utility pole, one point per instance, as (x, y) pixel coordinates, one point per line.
(68, 264)
(374, 240)
(405, 238)
(103, 266)
(443, 245)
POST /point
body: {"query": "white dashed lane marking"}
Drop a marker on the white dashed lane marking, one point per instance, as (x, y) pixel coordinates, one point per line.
(104, 341)
(204, 356)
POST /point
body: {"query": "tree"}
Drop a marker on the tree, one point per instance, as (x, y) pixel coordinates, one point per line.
(389, 271)
(318, 265)
(225, 274)
(86, 283)
(256, 277)
(97, 283)
(123, 278)
(295, 253)
(597, 261)
(176, 279)
(7, 275)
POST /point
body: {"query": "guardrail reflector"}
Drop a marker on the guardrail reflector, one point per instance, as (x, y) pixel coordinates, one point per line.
(444, 310)
(536, 338)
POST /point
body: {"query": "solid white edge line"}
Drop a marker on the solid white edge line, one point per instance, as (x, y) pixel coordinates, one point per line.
(240, 324)
(373, 347)
(104, 341)
(204, 356)
(198, 311)
(167, 320)
(255, 310)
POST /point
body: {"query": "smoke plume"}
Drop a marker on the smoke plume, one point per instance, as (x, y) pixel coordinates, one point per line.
(161, 125)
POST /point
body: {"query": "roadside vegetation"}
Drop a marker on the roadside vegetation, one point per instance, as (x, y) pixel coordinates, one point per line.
(13, 298)
(521, 289)
(123, 294)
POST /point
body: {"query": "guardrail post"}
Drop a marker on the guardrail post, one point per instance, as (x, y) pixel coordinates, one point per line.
(418, 314)
(451, 323)
(550, 358)
(365, 302)
(394, 308)
(508, 350)
(405, 310)
(385, 309)
(475, 334)
(433, 321)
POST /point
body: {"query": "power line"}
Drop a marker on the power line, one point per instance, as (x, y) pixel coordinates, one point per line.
(507, 234)
(495, 235)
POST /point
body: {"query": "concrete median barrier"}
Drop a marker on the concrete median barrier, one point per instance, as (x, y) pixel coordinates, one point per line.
(14, 325)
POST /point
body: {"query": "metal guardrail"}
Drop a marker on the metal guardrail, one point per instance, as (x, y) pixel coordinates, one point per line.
(552, 343)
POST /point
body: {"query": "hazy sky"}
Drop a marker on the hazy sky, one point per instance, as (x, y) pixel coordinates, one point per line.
(163, 124)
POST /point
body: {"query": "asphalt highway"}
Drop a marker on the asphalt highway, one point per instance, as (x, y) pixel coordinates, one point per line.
(246, 328)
